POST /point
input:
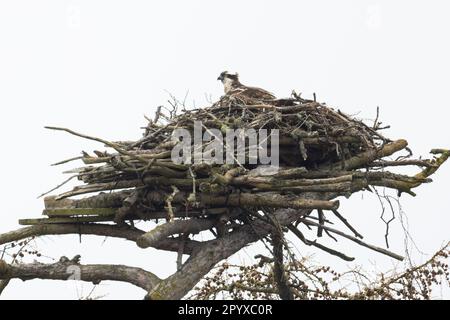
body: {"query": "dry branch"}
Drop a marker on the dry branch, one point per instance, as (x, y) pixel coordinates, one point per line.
(69, 269)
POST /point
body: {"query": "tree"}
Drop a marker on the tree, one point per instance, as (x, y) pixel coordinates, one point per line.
(323, 155)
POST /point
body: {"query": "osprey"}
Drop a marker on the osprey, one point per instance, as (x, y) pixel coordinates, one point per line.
(233, 87)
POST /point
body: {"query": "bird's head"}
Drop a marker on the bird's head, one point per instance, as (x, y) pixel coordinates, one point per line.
(226, 76)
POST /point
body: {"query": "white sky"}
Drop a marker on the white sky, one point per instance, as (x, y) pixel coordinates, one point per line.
(98, 66)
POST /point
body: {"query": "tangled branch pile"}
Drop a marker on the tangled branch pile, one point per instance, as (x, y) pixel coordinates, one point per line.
(323, 155)
(322, 152)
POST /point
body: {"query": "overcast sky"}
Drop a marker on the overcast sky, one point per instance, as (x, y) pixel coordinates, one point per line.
(99, 66)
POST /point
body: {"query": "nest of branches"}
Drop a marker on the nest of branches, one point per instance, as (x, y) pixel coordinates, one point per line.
(323, 154)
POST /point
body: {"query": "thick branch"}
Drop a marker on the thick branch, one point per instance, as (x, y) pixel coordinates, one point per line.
(128, 233)
(160, 233)
(367, 157)
(280, 276)
(71, 270)
(273, 200)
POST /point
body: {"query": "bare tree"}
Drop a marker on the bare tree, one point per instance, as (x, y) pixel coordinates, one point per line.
(324, 155)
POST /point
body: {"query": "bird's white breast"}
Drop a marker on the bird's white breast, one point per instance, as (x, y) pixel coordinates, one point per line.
(227, 85)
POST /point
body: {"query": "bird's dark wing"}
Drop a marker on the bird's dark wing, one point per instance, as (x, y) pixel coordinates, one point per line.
(257, 93)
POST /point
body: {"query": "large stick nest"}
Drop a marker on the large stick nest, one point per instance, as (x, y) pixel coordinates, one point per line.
(324, 154)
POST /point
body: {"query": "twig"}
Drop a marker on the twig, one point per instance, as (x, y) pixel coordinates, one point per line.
(68, 160)
(336, 253)
(113, 145)
(58, 186)
(354, 239)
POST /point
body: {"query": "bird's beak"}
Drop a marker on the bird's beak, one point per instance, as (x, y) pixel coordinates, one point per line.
(220, 78)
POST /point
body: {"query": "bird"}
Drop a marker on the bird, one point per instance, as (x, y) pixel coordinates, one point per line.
(233, 87)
